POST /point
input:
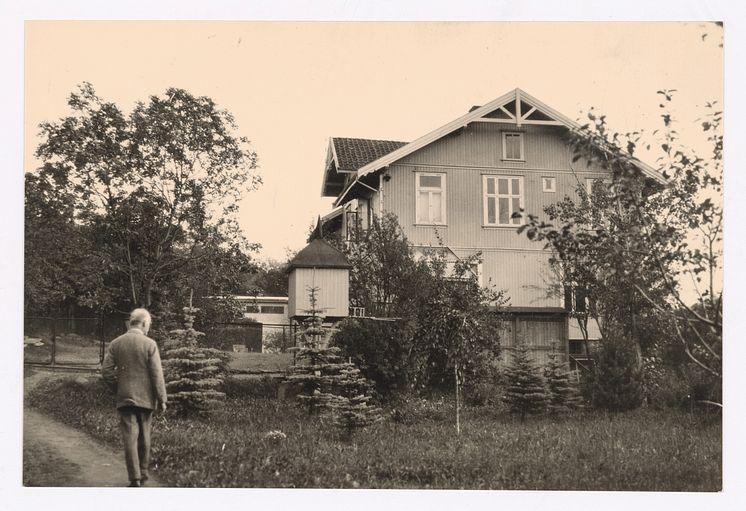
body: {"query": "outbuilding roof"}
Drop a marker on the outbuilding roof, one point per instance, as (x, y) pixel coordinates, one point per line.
(319, 254)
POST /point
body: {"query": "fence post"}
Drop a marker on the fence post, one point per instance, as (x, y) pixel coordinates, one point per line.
(54, 340)
(102, 331)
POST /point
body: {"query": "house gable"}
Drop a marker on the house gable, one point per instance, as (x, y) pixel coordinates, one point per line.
(517, 107)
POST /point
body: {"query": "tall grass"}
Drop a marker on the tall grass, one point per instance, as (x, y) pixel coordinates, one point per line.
(642, 450)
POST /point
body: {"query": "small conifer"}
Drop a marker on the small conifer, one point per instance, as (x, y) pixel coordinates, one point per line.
(193, 373)
(563, 392)
(524, 386)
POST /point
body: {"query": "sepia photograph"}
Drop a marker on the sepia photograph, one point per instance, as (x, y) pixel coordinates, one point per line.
(373, 255)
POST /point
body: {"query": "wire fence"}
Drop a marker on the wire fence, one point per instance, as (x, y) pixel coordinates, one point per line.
(82, 341)
(68, 341)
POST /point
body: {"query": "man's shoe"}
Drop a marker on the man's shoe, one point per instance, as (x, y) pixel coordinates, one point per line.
(135, 483)
(143, 480)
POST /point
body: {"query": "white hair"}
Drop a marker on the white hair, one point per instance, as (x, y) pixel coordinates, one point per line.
(140, 317)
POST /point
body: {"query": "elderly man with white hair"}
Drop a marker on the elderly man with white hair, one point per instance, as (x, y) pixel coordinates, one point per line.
(132, 369)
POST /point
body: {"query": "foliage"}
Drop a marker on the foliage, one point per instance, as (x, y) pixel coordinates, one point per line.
(317, 365)
(218, 309)
(617, 379)
(153, 193)
(563, 394)
(380, 349)
(350, 404)
(666, 450)
(193, 373)
(525, 391)
(269, 279)
(446, 321)
(60, 267)
(636, 245)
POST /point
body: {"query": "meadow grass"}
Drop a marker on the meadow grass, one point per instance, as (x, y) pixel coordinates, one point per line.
(668, 450)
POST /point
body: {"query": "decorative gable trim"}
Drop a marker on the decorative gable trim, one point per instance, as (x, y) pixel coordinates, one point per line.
(518, 98)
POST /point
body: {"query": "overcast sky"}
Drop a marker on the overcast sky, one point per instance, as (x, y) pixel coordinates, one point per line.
(291, 86)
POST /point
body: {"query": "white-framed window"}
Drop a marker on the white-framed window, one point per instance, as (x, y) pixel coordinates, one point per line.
(513, 145)
(431, 198)
(503, 196)
(548, 184)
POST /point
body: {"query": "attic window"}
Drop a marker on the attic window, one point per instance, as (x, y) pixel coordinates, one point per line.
(512, 146)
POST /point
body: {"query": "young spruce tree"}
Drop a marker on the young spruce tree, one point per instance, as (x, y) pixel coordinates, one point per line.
(524, 386)
(327, 382)
(617, 379)
(193, 373)
(563, 393)
(317, 365)
(351, 405)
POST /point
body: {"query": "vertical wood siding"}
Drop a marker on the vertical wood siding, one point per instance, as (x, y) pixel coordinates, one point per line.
(511, 261)
(541, 335)
(331, 296)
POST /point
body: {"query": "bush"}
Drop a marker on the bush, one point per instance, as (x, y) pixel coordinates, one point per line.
(377, 348)
(524, 386)
(617, 380)
(193, 374)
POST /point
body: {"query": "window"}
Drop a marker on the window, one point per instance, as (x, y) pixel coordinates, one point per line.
(254, 309)
(512, 146)
(548, 184)
(503, 196)
(576, 299)
(431, 198)
(273, 309)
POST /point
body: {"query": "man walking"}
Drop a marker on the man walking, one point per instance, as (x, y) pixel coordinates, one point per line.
(132, 369)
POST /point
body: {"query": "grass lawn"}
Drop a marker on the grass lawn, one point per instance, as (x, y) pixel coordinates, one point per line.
(642, 450)
(276, 362)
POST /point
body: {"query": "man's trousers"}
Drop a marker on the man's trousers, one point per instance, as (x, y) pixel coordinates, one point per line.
(135, 424)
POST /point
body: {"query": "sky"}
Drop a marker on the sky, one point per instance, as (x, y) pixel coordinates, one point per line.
(293, 85)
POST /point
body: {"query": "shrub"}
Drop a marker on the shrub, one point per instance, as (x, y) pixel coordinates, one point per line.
(617, 381)
(351, 402)
(563, 392)
(193, 373)
(524, 386)
(378, 349)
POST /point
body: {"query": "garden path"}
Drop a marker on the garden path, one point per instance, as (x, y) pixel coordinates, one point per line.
(58, 455)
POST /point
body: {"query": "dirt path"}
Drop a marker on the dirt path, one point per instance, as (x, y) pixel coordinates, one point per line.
(55, 454)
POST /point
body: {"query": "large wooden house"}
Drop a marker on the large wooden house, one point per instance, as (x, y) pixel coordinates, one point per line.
(460, 184)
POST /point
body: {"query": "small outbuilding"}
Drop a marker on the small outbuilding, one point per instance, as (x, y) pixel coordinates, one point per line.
(324, 268)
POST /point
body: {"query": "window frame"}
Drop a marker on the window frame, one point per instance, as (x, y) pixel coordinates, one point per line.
(553, 188)
(519, 134)
(443, 198)
(496, 195)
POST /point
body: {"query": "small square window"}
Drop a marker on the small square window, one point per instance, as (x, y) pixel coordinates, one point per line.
(548, 184)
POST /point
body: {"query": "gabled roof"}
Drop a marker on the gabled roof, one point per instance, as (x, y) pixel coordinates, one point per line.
(352, 153)
(319, 254)
(509, 108)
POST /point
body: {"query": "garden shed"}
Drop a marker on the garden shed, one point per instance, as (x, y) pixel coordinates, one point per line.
(322, 267)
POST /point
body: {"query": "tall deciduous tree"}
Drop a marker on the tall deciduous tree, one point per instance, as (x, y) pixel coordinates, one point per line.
(158, 188)
(636, 246)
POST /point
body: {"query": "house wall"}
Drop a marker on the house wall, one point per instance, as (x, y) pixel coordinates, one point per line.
(332, 295)
(510, 261)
